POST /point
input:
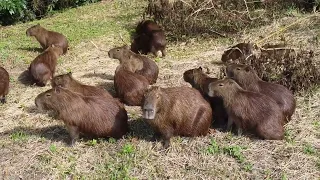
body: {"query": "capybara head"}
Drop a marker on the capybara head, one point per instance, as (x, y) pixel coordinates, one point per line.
(63, 80)
(241, 73)
(32, 31)
(223, 88)
(118, 52)
(151, 103)
(53, 99)
(190, 75)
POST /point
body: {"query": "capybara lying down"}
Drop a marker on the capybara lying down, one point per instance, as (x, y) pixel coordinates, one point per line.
(136, 63)
(150, 37)
(250, 111)
(43, 67)
(238, 51)
(68, 82)
(130, 87)
(4, 84)
(47, 38)
(177, 111)
(248, 79)
(200, 81)
(96, 116)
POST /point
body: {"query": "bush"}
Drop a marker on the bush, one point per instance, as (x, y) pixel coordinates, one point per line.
(216, 17)
(12, 11)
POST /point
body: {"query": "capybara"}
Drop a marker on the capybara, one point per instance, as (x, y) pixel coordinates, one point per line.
(130, 87)
(200, 81)
(67, 81)
(136, 62)
(238, 51)
(43, 67)
(176, 111)
(249, 111)
(47, 38)
(4, 84)
(95, 116)
(149, 37)
(248, 79)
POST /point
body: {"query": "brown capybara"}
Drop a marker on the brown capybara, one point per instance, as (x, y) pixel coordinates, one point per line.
(249, 111)
(177, 111)
(149, 38)
(248, 79)
(4, 84)
(130, 87)
(136, 63)
(67, 81)
(96, 116)
(200, 81)
(238, 51)
(43, 67)
(47, 38)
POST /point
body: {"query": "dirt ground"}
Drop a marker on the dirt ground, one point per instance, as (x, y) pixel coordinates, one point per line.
(33, 143)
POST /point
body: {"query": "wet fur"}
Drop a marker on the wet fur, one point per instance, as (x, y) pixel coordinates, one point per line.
(91, 115)
(130, 87)
(136, 63)
(248, 79)
(250, 111)
(47, 38)
(179, 111)
(4, 84)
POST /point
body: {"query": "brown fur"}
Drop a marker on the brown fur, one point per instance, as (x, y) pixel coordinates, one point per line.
(200, 81)
(91, 115)
(68, 82)
(248, 79)
(47, 38)
(149, 38)
(130, 87)
(177, 111)
(250, 111)
(43, 67)
(4, 84)
(238, 51)
(136, 63)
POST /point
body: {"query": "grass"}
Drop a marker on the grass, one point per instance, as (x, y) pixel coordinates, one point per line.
(33, 144)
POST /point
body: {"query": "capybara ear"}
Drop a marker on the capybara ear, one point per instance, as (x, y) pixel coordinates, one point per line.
(126, 47)
(52, 45)
(200, 68)
(70, 73)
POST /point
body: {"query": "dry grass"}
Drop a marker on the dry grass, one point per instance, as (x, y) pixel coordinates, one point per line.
(33, 144)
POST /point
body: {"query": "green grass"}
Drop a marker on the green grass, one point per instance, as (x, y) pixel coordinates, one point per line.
(78, 24)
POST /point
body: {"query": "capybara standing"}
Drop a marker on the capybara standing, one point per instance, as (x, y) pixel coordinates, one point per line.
(43, 67)
(4, 84)
(136, 62)
(200, 81)
(248, 79)
(249, 111)
(67, 81)
(149, 38)
(177, 111)
(47, 38)
(130, 87)
(92, 115)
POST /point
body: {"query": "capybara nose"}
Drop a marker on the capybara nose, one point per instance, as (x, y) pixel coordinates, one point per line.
(109, 54)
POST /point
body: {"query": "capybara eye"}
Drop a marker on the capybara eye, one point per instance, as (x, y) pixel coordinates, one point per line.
(59, 85)
(238, 68)
(220, 84)
(48, 95)
(118, 50)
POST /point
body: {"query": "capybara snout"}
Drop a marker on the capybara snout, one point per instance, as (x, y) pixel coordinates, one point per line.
(150, 106)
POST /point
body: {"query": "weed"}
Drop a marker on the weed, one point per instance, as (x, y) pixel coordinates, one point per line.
(19, 136)
(235, 151)
(284, 176)
(308, 149)
(128, 149)
(112, 140)
(92, 142)
(53, 148)
(213, 147)
(288, 136)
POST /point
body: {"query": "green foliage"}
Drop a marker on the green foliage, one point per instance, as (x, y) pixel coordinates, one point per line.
(308, 149)
(53, 148)
(12, 11)
(92, 142)
(213, 147)
(19, 136)
(128, 149)
(235, 152)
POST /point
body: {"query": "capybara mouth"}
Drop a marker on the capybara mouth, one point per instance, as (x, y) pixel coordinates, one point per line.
(148, 114)
(110, 55)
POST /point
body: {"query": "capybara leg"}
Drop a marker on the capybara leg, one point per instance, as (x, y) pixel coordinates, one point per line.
(3, 100)
(239, 131)
(164, 52)
(166, 135)
(74, 134)
(154, 51)
(166, 143)
(229, 125)
(156, 136)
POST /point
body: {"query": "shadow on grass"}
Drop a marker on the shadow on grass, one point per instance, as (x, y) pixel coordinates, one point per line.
(25, 78)
(33, 49)
(141, 130)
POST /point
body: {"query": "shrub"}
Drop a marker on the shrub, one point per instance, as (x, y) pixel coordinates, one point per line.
(11, 10)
